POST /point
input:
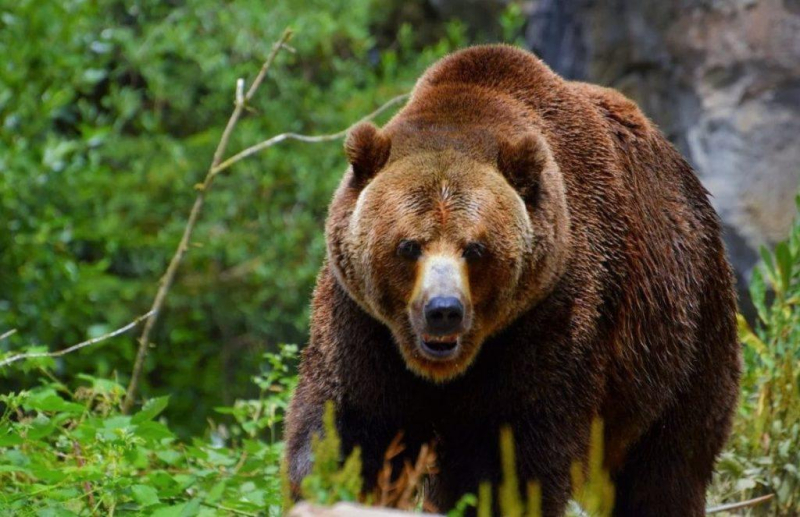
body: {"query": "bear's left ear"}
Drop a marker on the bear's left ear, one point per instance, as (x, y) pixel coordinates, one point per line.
(367, 149)
(522, 162)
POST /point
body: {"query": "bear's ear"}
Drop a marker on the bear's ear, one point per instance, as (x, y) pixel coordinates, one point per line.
(522, 161)
(367, 150)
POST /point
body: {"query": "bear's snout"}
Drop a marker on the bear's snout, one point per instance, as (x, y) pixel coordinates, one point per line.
(444, 321)
(440, 309)
(444, 315)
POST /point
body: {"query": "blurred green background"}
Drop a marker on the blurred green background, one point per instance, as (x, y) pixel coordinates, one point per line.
(110, 113)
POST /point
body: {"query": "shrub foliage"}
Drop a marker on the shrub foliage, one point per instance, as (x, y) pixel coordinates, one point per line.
(764, 453)
(72, 452)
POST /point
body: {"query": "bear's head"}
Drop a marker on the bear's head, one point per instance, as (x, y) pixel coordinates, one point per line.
(447, 244)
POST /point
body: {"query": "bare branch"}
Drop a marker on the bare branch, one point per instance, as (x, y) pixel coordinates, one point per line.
(8, 334)
(279, 45)
(240, 92)
(305, 138)
(739, 505)
(93, 341)
(197, 207)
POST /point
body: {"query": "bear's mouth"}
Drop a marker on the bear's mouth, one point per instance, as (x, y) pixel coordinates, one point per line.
(439, 347)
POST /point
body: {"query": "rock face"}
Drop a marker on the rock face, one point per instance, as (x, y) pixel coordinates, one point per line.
(722, 80)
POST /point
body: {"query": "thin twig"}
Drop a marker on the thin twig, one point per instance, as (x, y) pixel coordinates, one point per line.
(10, 333)
(169, 276)
(36, 355)
(741, 504)
(305, 138)
(281, 44)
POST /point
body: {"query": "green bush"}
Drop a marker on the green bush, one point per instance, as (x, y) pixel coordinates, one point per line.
(764, 454)
(66, 452)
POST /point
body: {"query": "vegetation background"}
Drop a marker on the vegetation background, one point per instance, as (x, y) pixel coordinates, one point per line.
(110, 112)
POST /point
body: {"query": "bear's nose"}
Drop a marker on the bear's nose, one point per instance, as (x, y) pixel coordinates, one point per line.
(443, 315)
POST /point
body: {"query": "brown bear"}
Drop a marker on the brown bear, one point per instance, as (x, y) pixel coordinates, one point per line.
(517, 249)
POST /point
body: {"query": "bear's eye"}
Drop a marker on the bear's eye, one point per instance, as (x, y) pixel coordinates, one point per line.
(409, 249)
(474, 251)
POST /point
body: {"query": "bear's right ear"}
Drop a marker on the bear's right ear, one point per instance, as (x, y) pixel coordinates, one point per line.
(522, 162)
(367, 149)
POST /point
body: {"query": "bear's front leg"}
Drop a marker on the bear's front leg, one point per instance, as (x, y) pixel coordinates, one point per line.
(303, 420)
(371, 433)
(543, 453)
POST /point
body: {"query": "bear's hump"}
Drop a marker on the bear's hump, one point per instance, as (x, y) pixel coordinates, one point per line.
(497, 67)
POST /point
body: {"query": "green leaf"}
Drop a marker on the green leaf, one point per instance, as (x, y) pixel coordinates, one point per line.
(258, 497)
(153, 431)
(117, 422)
(46, 473)
(191, 508)
(151, 409)
(769, 267)
(103, 386)
(165, 483)
(758, 294)
(169, 511)
(15, 468)
(49, 400)
(145, 495)
(9, 437)
(169, 456)
(783, 259)
(216, 492)
(179, 510)
(41, 426)
(748, 337)
(221, 457)
(55, 511)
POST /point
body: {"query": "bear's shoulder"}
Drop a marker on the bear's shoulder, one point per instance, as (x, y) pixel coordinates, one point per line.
(521, 75)
(619, 112)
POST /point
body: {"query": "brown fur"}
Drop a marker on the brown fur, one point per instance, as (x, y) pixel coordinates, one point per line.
(603, 291)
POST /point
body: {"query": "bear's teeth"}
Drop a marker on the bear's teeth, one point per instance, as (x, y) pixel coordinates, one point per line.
(440, 339)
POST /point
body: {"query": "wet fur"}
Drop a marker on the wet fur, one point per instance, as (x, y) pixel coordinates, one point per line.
(631, 315)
